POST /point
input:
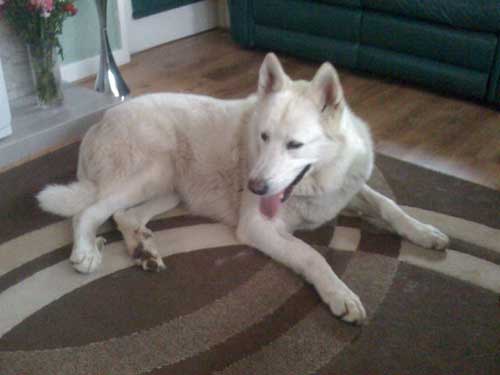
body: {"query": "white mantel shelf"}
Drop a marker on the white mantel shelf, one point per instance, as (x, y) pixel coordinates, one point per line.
(36, 130)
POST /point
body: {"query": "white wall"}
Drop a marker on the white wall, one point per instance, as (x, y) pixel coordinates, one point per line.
(148, 32)
(135, 36)
(81, 39)
(167, 26)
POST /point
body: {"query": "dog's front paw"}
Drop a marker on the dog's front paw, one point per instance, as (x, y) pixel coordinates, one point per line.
(430, 237)
(87, 260)
(347, 306)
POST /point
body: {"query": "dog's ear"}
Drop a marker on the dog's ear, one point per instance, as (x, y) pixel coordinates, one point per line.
(325, 88)
(272, 77)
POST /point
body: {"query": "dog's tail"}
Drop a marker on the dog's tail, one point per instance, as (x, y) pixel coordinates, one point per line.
(67, 200)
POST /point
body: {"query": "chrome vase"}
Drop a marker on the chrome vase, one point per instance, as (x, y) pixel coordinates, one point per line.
(109, 78)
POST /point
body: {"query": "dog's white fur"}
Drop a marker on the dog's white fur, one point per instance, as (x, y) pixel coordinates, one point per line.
(154, 151)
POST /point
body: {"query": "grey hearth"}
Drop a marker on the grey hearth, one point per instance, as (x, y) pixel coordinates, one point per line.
(35, 131)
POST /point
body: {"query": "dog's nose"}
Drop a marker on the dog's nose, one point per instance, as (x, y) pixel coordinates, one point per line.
(258, 187)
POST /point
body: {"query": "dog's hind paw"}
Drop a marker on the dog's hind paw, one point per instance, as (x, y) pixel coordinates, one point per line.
(153, 264)
(148, 259)
(87, 260)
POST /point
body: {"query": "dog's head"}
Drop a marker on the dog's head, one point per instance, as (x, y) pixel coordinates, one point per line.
(294, 128)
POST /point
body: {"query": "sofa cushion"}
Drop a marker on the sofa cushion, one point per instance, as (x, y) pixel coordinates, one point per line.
(469, 49)
(442, 77)
(349, 3)
(494, 84)
(480, 15)
(340, 52)
(301, 16)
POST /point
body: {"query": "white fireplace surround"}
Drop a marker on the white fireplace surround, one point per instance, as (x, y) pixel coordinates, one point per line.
(5, 116)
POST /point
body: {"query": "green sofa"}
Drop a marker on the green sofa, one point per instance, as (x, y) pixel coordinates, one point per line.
(449, 45)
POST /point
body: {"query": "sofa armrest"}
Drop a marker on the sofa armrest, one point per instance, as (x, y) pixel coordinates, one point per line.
(494, 84)
(242, 23)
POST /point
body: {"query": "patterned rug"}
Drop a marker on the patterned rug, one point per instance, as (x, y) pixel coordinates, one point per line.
(224, 308)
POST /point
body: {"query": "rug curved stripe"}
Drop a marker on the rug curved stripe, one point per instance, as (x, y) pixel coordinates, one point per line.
(23, 299)
(57, 255)
(345, 238)
(355, 239)
(307, 347)
(178, 339)
(29, 246)
(471, 265)
(462, 229)
(248, 341)
(317, 339)
(349, 237)
(453, 263)
(475, 250)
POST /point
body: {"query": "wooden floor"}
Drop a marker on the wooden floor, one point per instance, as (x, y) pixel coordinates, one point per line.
(450, 135)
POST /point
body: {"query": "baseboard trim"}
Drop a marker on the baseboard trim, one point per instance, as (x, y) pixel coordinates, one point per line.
(81, 69)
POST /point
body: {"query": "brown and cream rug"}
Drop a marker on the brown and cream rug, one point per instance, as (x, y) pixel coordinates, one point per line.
(223, 308)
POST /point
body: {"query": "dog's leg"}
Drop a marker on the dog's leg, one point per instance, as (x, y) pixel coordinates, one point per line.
(379, 207)
(86, 255)
(282, 246)
(138, 238)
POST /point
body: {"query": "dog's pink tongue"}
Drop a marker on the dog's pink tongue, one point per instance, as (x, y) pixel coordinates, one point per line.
(269, 205)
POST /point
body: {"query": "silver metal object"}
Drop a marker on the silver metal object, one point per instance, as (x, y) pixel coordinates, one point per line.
(109, 78)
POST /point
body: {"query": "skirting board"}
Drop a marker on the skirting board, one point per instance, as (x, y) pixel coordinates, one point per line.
(81, 69)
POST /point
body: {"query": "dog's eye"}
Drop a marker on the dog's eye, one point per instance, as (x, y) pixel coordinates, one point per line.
(264, 137)
(294, 145)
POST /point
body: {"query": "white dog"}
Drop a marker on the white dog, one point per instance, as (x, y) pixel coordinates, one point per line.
(290, 157)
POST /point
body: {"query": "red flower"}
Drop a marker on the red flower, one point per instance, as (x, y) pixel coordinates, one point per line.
(70, 8)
